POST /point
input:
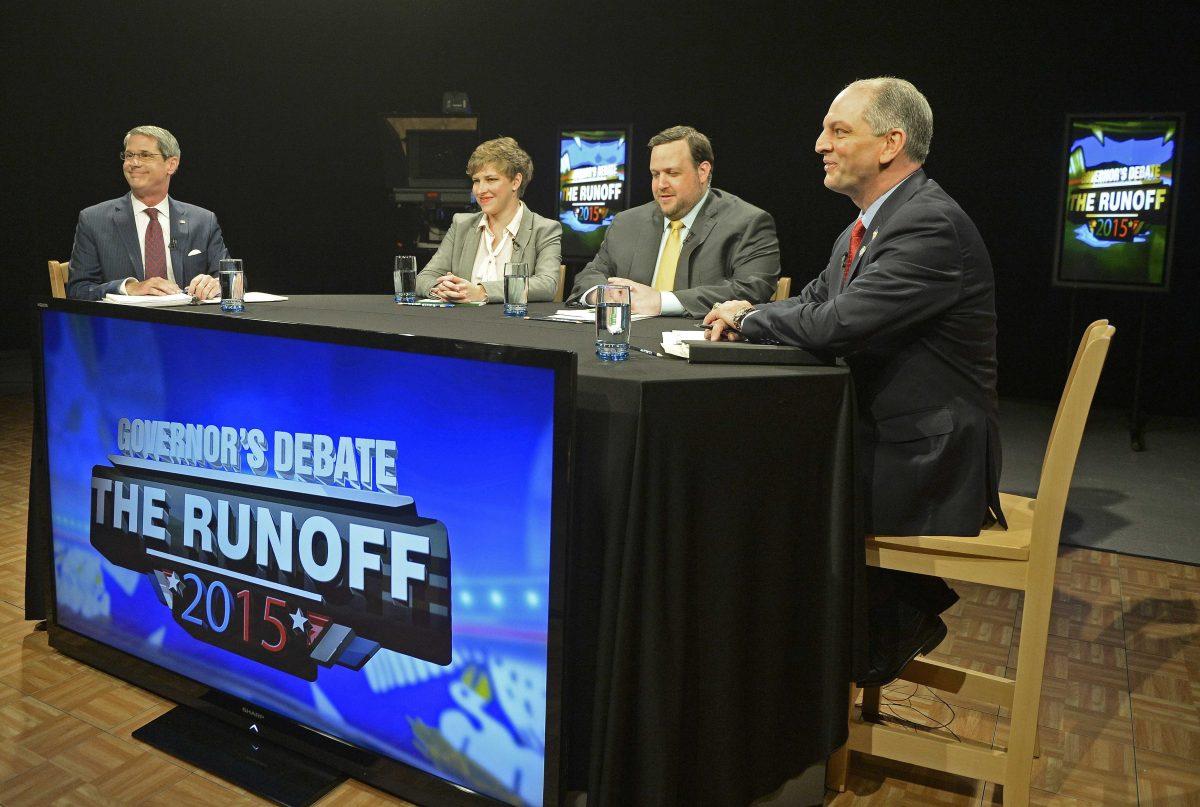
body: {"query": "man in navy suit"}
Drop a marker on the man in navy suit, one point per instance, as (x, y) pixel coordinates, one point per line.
(908, 299)
(146, 242)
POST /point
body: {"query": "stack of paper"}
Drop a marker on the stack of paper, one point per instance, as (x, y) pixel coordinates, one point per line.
(676, 342)
(164, 300)
(257, 297)
(149, 300)
(584, 315)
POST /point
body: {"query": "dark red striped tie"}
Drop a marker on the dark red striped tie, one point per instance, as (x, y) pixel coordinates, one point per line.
(156, 252)
(856, 237)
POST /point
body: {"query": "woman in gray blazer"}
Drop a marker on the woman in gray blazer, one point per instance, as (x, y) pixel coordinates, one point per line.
(469, 264)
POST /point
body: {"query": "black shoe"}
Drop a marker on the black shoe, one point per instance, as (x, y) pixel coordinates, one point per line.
(888, 662)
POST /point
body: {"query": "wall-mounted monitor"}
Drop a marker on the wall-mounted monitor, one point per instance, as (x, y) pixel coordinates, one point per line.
(281, 542)
(1119, 188)
(593, 167)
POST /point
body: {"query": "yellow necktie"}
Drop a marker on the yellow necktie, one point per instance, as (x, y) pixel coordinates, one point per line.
(664, 280)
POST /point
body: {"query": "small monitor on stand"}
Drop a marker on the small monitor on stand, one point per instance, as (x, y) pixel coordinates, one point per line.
(425, 158)
(437, 158)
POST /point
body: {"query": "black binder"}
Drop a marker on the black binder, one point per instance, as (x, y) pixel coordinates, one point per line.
(750, 353)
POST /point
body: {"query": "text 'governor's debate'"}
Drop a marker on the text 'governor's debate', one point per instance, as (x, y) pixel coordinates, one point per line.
(294, 549)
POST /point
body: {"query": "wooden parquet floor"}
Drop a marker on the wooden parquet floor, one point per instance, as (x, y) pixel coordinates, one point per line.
(1119, 725)
(65, 728)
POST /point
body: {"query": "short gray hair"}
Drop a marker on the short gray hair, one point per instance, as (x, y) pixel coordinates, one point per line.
(167, 144)
(899, 105)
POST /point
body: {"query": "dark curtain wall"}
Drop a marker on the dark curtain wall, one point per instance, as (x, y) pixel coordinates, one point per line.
(276, 106)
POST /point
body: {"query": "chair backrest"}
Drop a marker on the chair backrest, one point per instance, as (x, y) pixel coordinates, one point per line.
(58, 278)
(560, 289)
(1083, 343)
(783, 289)
(1063, 447)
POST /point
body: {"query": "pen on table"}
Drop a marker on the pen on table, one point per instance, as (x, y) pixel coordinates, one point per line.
(648, 352)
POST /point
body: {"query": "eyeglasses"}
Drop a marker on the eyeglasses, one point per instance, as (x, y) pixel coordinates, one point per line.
(143, 156)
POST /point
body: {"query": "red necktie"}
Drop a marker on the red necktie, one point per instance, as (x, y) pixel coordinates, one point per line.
(856, 237)
(156, 253)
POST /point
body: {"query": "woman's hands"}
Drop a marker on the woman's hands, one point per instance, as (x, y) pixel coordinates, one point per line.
(453, 289)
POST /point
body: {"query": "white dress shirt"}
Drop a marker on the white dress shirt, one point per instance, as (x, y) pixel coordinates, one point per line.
(495, 250)
(142, 221)
(670, 303)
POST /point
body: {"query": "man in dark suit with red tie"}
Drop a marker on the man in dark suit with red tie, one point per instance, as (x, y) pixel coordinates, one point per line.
(146, 242)
(908, 300)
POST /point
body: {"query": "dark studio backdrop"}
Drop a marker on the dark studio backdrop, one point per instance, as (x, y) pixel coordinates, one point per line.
(277, 106)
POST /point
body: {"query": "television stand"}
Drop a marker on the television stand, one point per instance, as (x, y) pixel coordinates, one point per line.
(264, 768)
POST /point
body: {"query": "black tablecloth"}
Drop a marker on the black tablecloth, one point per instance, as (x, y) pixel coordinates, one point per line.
(713, 566)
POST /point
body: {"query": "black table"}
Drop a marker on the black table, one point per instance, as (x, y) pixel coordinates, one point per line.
(714, 567)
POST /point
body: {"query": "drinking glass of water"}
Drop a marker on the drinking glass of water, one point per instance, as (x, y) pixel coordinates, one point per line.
(404, 278)
(233, 284)
(612, 322)
(516, 289)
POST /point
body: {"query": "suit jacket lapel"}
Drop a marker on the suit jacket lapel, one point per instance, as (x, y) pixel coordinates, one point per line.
(464, 262)
(179, 237)
(645, 254)
(122, 219)
(706, 219)
(520, 251)
(909, 186)
(841, 251)
(904, 192)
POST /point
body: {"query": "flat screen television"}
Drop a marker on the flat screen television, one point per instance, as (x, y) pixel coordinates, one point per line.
(1120, 181)
(593, 167)
(267, 524)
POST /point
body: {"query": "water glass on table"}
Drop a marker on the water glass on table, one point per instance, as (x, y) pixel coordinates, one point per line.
(612, 322)
(233, 284)
(404, 278)
(516, 289)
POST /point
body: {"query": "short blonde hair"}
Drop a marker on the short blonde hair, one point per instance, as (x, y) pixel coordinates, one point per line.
(507, 156)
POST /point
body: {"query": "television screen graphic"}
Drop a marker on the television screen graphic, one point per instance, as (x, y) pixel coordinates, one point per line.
(593, 186)
(1119, 201)
(299, 538)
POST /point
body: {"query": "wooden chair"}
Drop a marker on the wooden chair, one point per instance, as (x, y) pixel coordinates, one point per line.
(560, 289)
(783, 290)
(58, 278)
(1023, 558)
